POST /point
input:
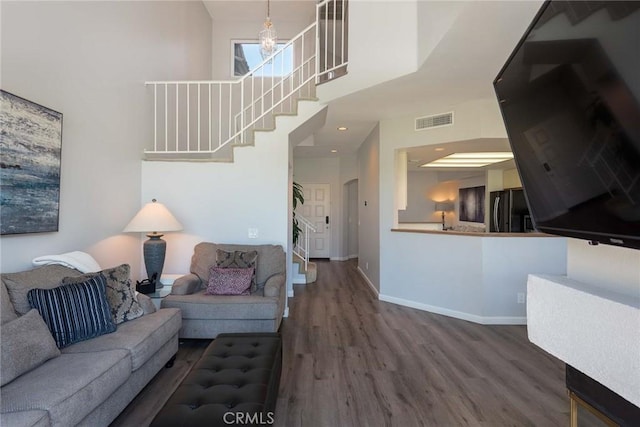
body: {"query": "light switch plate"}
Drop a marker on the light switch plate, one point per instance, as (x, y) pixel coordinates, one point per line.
(252, 233)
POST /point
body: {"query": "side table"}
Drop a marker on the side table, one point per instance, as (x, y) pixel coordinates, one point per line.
(167, 281)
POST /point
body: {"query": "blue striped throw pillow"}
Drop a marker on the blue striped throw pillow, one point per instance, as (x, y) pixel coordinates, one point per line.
(74, 312)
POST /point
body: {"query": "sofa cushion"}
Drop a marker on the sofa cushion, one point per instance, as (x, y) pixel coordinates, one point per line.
(201, 306)
(237, 259)
(26, 344)
(230, 281)
(141, 338)
(146, 303)
(69, 387)
(36, 418)
(120, 294)
(7, 313)
(271, 259)
(74, 312)
(19, 284)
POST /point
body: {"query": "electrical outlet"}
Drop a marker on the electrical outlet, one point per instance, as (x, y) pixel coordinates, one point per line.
(521, 297)
(252, 233)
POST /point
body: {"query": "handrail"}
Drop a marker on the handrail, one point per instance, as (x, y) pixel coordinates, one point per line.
(204, 116)
(303, 250)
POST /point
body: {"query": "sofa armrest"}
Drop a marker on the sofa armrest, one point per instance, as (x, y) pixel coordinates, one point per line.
(145, 302)
(274, 285)
(186, 285)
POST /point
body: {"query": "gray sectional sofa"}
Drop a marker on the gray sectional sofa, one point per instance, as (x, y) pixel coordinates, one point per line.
(206, 316)
(90, 382)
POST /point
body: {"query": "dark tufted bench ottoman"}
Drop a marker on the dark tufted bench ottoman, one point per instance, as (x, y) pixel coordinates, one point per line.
(234, 383)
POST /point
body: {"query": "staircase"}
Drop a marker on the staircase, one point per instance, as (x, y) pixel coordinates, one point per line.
(205, 121)
(304, 275)
(304, 271)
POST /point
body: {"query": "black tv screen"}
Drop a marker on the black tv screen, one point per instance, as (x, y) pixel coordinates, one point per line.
(570, 99)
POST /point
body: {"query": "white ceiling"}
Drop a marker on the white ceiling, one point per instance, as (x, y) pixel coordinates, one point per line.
(417, 156)
(460, 68)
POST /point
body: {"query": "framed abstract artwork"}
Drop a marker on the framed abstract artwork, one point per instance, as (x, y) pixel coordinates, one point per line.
(30, 154)
(472, 204)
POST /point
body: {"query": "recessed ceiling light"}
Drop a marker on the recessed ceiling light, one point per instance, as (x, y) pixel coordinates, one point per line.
(439, 149)
(342, 128)
(334, 151)
(469, 160)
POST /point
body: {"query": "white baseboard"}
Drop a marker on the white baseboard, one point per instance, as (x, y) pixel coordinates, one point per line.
(483, 320)
(372, 288)
(299, 279)
(343, 258)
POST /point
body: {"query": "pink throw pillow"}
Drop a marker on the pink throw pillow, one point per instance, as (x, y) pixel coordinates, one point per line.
(229, 281)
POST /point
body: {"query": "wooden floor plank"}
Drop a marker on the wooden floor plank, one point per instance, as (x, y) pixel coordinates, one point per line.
(351, 360)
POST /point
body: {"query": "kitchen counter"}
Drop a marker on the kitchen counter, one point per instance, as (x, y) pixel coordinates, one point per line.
(470, 233)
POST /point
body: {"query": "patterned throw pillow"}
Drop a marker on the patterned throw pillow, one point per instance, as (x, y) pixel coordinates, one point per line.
(74, 312)
(120, 294)
(239, 259)
(229, 281)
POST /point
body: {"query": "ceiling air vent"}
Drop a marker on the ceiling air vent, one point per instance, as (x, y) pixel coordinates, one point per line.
(438, 120)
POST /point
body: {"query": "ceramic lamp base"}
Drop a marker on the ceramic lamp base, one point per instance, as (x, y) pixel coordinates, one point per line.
(154, 251)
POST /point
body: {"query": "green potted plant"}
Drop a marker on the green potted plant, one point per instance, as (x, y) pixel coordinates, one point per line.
(298, 197)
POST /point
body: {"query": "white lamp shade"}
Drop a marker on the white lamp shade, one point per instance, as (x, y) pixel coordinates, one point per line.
(153, 217)
(445, 206)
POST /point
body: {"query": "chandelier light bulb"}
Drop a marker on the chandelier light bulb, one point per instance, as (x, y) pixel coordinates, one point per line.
(268, 38)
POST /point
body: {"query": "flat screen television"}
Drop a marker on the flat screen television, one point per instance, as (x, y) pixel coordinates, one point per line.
(570, 99)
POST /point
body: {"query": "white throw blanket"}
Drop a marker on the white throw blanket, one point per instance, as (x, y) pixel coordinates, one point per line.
(81, 261)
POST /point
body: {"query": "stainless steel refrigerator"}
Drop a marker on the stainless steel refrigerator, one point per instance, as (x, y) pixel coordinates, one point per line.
(509, 212)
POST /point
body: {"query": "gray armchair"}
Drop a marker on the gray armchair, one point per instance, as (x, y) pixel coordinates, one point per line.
(206, 316)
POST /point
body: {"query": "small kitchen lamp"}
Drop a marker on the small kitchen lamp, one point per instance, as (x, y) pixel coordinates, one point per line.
(153, 219)
(443, 207)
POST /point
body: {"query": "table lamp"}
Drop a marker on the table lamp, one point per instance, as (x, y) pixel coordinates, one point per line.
(445, 206)
(153, 218)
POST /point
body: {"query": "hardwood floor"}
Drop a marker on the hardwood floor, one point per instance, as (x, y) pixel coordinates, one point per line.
(351, 360)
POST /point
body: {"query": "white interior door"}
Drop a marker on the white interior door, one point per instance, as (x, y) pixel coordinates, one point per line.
(317, 209)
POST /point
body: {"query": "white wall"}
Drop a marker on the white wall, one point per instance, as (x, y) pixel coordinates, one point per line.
(474, 278)
(420, 208)
(219, 202)
(228, 28)
(474, 119)
(605, 266)
(438, 272)
(369, 244)
(351, 218)
(349, 180)
(395, 40)
(89, 60)
(431, 31)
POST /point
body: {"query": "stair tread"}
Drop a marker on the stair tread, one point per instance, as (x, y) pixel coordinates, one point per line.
(310, 273)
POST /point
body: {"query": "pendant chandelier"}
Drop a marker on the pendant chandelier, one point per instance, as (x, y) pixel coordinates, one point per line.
(268, 38)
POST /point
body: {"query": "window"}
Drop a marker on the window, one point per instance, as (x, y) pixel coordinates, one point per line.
(246, 57)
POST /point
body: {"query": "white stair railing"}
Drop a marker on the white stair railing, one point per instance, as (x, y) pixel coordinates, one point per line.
(302, 245)
(199, 118)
